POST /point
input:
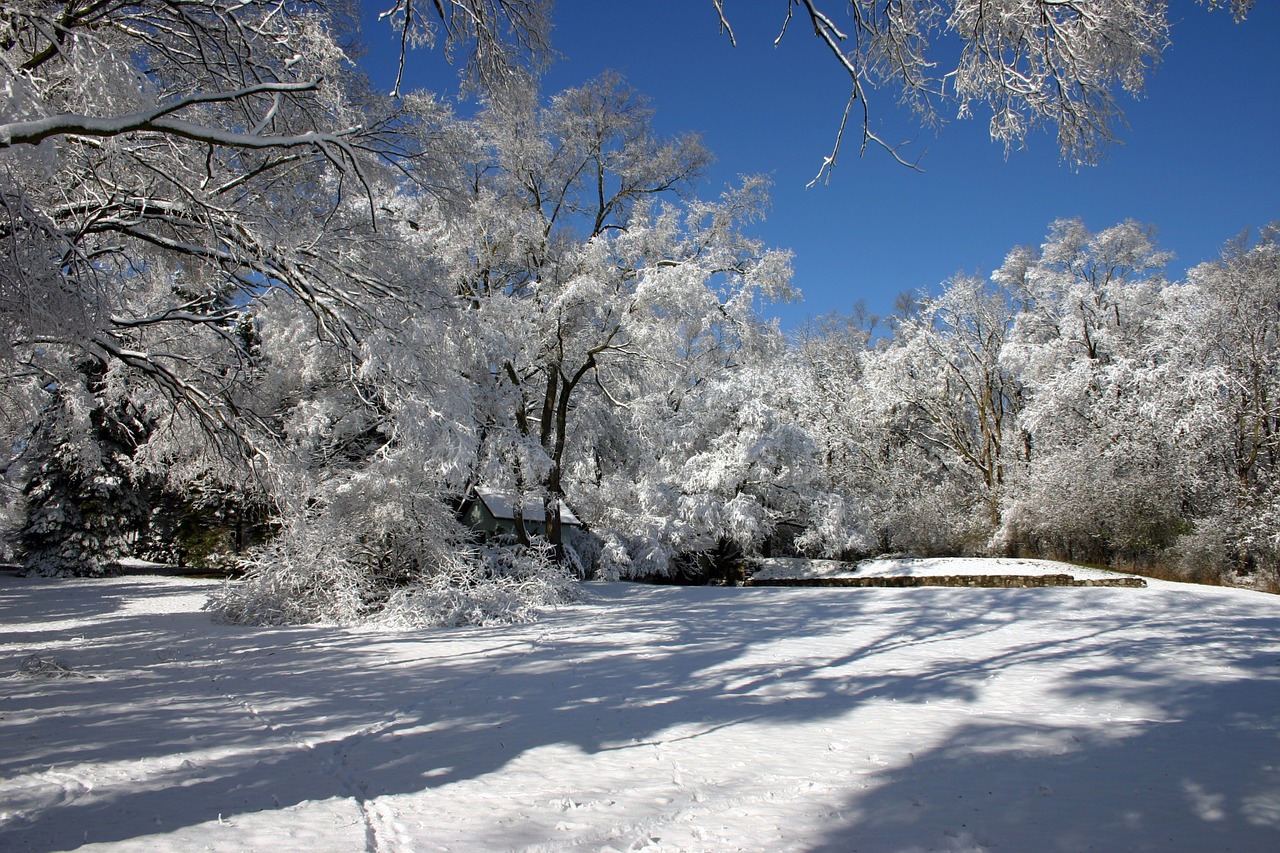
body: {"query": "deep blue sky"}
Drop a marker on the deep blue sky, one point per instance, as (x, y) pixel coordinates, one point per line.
(1200, 160)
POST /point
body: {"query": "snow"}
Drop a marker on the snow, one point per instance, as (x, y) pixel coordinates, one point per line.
(648, 718)
(503, 506)
(883, 567)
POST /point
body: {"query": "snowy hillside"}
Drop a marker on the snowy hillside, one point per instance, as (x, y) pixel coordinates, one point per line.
(648, 718)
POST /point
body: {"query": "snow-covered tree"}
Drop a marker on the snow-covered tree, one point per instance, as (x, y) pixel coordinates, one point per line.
(1029, 62)
(582, 278)
(84, 506)
(1106, 469)
(375, 446)
(1078, 406)
(163, 165)
(105, 462)
(1223, 325)
(941, 392)
(166, 168)
(825, 389)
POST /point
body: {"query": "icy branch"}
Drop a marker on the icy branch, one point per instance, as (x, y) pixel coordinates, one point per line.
(35, 131)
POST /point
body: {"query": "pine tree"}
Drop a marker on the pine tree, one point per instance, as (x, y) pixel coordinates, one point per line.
(84, 508)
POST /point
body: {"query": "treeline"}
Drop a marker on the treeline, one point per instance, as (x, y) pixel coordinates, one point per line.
(1076, 405)
(258, 316)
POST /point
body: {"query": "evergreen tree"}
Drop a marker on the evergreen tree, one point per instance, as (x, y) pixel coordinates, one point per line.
(84, 508)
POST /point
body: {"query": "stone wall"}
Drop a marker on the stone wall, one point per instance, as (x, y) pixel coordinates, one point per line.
(985, 581)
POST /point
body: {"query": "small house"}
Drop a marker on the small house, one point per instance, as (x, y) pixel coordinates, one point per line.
(493, 514)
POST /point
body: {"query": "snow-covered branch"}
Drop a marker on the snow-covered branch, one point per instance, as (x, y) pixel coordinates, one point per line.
(35, 131)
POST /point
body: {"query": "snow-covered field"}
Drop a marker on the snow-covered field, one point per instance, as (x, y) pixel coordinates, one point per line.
(648, 718)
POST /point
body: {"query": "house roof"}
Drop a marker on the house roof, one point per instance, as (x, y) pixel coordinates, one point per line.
(503, 507)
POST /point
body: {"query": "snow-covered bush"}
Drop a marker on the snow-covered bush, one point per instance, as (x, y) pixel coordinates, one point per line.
(309, 575)
(380, 544)
(838, 526)
(615, 560)
(305, 575)
(1201, 556)
(482, 586)
(583, 551)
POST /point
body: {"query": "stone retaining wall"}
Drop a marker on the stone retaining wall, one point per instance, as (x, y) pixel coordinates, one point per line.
(985, 581)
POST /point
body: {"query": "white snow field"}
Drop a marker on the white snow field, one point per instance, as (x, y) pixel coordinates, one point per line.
(648, 718)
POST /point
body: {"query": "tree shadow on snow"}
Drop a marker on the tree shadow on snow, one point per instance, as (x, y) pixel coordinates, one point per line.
(1201, 772)
(229, 720)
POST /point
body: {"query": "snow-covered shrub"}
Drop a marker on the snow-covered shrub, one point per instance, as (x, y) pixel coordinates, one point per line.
(484, 586)
(838, 526)
(305, 575)
(1251, 530)
(315, 573)
(583, 550)
(930, 519)
(615, 560)
(1201, 556)
(380, 546)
